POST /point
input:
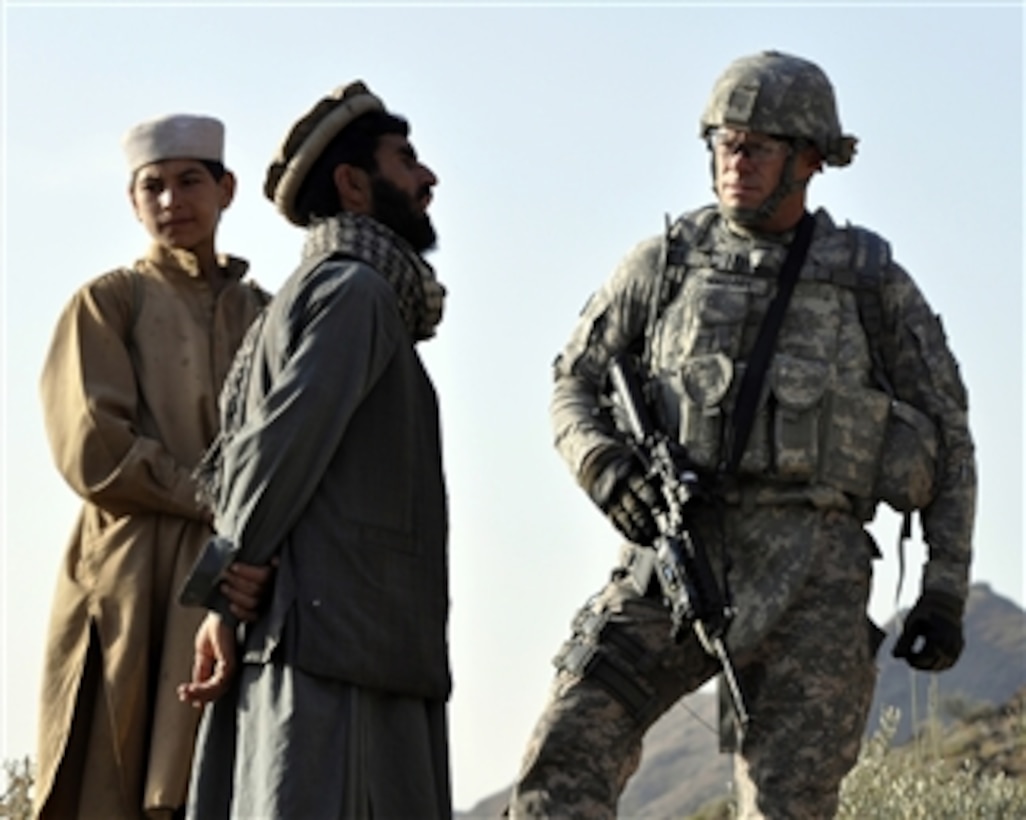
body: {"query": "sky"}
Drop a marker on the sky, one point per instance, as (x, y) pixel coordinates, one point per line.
(561, 135)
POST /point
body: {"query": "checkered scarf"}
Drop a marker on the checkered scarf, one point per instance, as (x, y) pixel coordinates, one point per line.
(421, 296)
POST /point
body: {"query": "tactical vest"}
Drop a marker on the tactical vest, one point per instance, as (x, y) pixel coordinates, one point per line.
(827, 414)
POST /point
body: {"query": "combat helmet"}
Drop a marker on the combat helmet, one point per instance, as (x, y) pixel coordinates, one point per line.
(785, 97)
(781, 95)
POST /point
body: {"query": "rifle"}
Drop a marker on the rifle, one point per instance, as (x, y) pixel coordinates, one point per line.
(689, 585)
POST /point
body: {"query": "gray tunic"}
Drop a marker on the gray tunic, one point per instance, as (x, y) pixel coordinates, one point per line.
(337, 471)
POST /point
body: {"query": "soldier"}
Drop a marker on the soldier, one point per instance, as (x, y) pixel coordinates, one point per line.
(862, 401)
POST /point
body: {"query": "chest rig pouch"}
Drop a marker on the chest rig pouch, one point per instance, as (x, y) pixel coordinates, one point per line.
(863, 441)
(905, 477)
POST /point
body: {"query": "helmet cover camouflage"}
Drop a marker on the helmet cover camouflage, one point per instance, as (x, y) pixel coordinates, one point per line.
(780, 95)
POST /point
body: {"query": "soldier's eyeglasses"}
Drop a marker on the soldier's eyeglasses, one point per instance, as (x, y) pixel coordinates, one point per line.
(725, 143)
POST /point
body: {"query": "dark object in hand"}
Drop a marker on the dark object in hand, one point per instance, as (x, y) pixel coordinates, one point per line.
(931, 638)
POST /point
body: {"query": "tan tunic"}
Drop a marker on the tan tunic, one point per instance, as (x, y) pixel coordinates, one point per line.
(129, 391)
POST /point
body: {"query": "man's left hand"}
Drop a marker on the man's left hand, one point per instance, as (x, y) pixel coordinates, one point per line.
(931, 638)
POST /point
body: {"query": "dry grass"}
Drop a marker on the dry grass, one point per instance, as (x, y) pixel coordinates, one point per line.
(16, 801)
(920, 782)
(971, 773)
(974, 771)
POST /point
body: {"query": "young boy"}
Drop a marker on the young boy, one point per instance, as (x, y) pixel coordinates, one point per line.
(129, 391)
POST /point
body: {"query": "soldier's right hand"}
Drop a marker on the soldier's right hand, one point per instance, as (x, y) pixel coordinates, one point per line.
(617, 482)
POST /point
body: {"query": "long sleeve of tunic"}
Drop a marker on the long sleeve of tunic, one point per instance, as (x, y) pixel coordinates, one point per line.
(130, 382)
(335, 344)
(91, 394)
(326, 343)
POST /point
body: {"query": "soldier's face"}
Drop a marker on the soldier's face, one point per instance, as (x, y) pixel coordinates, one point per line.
(749, 166)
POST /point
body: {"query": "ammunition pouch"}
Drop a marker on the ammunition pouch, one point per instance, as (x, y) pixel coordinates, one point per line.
(880, 448)
(856, 439)
(861, 441)
(855, 431)
(908, 462)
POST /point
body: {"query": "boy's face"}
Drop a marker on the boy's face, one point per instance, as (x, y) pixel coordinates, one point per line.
(179, 202)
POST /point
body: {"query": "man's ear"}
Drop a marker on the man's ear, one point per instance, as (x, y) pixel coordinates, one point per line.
(810, 162)
(354, 189)
(227, 185)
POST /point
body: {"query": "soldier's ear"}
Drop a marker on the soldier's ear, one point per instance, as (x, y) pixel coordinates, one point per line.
(809, 162)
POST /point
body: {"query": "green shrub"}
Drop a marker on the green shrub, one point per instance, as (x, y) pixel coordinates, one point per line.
(928, 779)
(914, 784)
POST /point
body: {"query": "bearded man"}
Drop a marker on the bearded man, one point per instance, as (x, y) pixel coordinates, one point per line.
(329, 463)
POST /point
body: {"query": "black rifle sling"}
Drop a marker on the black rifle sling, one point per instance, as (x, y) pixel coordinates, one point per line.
(747, 402)
(758, 361)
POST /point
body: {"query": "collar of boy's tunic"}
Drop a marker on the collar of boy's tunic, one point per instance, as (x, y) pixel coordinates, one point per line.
(185, 261)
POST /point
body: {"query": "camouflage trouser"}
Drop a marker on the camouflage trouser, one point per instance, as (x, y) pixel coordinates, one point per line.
(805, 667)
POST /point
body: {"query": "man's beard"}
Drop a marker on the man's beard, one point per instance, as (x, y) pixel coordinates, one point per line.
(395, 209)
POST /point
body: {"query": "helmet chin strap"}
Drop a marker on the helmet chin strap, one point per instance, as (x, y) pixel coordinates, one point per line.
(755, 217)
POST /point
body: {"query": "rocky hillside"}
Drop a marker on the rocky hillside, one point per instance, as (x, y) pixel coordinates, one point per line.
(992, 736)
(991, 670)
(981, 704)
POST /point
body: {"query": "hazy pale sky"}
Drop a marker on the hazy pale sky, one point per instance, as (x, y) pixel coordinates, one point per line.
(561, 135)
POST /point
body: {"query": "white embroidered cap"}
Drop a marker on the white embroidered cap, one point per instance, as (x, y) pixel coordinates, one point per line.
(176, 136)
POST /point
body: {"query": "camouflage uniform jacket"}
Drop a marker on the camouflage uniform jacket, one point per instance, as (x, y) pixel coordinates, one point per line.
(818, 435)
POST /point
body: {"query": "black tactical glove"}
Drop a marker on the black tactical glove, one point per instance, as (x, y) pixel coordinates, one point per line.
(615, 480)
(931, 638)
